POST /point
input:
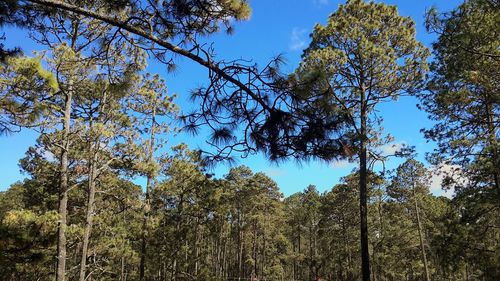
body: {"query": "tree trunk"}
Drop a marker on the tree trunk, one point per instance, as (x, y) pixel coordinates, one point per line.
(294, 261)
(299, 269)
(63, 189)
(264, 254)
(347, 251)
(363, 190)
(122, 271)
(381, 248)
(240, 247)
(310, 252)
(421, 236)
(196, 249)
(147, 203)
(174, 272)
(90, 213)
(493, 143)
(94, 147)
(254, 249)
(224, 258)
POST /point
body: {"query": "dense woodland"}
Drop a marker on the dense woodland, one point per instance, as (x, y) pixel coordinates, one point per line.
(103, 121)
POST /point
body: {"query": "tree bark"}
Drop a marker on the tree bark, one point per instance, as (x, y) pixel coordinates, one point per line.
(310, 252)
(147, 203)
(493, 143)
(421, 236)
(363, 190)
(94, 147)
(299, 269)
(122, 271)
(63, 189)
(90, 214)
(240, 247)
(294, 261)
(254, 250)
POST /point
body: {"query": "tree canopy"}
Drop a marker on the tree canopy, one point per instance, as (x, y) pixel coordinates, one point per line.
(104, 198)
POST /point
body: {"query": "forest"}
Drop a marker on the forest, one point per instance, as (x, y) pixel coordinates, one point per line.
(106, 196)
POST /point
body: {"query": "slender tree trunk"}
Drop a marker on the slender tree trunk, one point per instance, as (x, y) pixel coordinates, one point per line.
(64, 170)
(196, 251)
(174, 272)
(95, 145)
(224, 258)
(294, 262)
(421, 236)
(90, 213)
(264, 253)
(493, 143)
(299, 269)
(347, 250)
(240, 247)
(363, 192)
(240, 258)
(310, 252)
(466, 271)
(218, 253)
(254, 249)
(63, 189)
(380, 270)
(123, 259)
(142, 265)
(122, 271)
(147, 203)
(186, 259)
(315, 247)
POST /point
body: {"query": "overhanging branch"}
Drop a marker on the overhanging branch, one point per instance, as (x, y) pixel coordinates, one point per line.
(112, 20)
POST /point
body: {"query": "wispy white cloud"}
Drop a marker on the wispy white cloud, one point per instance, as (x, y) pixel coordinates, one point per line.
(46, 154)
(298, 39)
(391, 148)
(275, 172)
(439, 172)
(342, 164)
(384, 150)
(320, 2)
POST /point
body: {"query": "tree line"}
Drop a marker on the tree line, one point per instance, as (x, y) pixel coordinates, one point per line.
(103, 120)
(240, 227)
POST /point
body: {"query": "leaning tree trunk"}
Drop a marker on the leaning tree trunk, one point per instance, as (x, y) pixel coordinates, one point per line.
(90, 213)
(421, 236)
(363, 190)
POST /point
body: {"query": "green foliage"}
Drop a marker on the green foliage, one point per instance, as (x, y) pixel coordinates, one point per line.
(366, 54)
(24, 84)
(464, 94)
(103, 120)
(26, 237)
(238, 226)
(365, 49)
(464, 99)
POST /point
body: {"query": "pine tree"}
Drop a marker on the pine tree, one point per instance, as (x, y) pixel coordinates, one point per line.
(410, 184)
(364, 55)
(152, 110)
(19, 106)
(103, 122)
(463, 99)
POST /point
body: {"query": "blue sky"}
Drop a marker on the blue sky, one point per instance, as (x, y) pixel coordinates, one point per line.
(276, 27)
